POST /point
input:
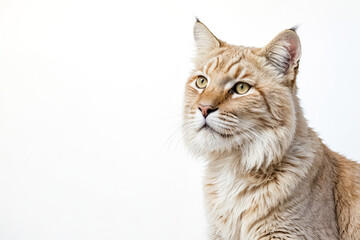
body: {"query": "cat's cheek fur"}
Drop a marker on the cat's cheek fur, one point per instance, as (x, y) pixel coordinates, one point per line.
(257, 148)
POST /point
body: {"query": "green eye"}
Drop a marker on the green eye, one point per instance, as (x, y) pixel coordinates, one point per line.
(241, 88)
(201, 82)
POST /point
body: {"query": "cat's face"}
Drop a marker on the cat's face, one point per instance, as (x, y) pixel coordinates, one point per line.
(240, 100)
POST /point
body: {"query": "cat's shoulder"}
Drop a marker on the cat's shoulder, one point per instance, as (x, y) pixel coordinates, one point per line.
(347, 196)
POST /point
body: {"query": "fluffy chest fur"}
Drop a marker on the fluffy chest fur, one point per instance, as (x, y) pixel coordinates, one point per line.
(277, 205)
(232, 204)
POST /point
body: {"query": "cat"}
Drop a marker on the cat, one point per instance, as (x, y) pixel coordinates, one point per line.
(268, 175)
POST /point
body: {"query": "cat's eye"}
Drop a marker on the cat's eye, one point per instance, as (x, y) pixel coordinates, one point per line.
(241, 88)
(201, 82)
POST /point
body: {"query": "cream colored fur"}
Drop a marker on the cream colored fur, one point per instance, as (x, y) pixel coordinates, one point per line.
(268, 175)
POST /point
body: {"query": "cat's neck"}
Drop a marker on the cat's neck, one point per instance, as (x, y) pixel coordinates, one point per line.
(251, 195)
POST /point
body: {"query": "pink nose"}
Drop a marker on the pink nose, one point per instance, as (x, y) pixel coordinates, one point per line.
(206, 109)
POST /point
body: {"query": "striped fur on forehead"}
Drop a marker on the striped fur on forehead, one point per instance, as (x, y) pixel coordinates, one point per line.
(230, 63)
(212, 64)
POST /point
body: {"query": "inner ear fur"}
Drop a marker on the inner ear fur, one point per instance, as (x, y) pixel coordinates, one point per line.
(284, 51)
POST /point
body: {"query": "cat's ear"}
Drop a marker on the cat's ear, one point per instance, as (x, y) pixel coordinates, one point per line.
(204, 39)
(284, 50)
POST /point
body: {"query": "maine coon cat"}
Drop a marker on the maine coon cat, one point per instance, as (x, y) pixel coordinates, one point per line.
(268, 175)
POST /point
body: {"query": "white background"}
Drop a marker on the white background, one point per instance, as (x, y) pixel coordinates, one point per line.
(91, 101)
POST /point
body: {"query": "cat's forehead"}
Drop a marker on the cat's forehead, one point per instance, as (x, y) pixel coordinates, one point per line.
(228, 64)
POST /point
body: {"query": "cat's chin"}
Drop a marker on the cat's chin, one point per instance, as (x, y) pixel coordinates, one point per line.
(260, 150)
(212, 131)
(206, 140)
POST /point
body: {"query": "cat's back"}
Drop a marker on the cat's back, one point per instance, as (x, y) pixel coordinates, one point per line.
(347, 196)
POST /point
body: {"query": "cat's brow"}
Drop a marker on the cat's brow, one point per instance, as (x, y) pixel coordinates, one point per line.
(212, 65)
(241, 73)
(232, 63)
(229, 83)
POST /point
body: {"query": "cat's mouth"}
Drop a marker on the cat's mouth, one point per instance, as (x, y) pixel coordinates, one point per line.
(206, 127)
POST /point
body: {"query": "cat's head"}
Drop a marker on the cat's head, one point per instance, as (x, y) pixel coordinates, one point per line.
(241, 100)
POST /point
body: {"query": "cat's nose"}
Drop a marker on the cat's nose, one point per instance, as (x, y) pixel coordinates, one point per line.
(206, 109)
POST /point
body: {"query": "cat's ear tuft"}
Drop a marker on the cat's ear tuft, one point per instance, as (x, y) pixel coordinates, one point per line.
(204, 39)
(284, 50)
(294, 28)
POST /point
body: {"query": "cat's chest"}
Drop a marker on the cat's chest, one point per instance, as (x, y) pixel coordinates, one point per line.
(239, 209)
(233, 204)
